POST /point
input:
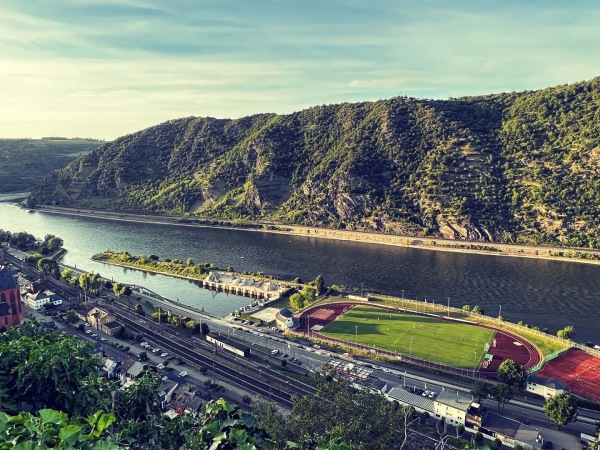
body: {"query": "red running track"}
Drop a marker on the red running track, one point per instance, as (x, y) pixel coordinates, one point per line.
(579, 372)
(509, 346)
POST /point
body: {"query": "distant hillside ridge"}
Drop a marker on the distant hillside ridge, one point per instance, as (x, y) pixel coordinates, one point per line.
(25, 162)
(514, 167)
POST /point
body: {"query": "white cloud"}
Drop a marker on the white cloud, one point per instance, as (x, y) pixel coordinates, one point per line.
(104, 68)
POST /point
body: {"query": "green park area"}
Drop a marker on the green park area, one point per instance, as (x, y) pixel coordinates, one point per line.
(439, 341)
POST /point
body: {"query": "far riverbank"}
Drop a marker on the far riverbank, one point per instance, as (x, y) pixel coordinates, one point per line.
(426, 243)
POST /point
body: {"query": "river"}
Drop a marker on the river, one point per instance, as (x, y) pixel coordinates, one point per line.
(540, 292)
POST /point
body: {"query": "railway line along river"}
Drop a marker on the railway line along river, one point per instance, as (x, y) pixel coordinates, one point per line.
(543, 293)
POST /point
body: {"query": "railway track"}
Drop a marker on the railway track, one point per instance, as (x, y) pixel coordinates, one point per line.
(238, 372)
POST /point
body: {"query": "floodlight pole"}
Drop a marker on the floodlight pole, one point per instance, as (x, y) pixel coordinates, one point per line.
(356, 327)
(500, 313)
(411, 339)
(448, 306)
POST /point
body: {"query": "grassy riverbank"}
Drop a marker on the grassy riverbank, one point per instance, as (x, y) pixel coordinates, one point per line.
(154, 264)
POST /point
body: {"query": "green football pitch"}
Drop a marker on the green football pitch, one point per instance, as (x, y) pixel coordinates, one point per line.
(439, 341)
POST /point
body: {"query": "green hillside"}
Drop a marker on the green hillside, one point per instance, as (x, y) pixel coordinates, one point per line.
(516, 167)
(25, 162)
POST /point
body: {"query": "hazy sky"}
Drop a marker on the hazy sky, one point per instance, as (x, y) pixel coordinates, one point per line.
(110, 67)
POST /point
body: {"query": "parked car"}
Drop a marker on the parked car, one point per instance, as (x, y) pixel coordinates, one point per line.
(88, 331)
(164, 355)
(161, 366)
(183, 373)
(102, 338)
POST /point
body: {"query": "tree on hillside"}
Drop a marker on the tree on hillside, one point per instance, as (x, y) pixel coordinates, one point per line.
(49, 267)
(121, 289)
(52, 242)
(477, 310)
(45, 369)
(561, 409)
(512, 373)
(481, 390)
(567, 332)
(204, 329)
(503, 394)
(319, 284)
(359, 418)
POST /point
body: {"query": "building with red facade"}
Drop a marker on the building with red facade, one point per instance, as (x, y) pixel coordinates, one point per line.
(11, 313)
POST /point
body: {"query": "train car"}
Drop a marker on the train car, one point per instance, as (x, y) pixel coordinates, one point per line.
(228, 344)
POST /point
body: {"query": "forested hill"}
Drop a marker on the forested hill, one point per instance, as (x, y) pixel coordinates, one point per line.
(25, 162)
(509, 167)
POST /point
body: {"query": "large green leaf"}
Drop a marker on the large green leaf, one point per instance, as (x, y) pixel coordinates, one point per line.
(70, 434)
(27, 446)
(52, 416)
(105, 421)
(238, 436)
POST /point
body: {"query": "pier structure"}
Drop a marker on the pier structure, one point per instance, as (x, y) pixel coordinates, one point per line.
(246, 287)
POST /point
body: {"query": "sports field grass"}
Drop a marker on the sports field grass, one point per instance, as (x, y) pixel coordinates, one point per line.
(440, 341)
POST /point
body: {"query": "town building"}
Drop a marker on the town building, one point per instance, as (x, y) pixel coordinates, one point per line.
(39, 299)
(285, 320)
(109, 369)
(419, 403)
(104, 321)
(166, 390)
(187, 402)
(546, 387)
(453, 407)
(10, 300)
(511, 432)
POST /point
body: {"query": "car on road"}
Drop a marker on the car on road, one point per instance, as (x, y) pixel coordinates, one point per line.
(87, 324)
(316, 346)
(183, 373)
(164, 355)
(88, 331)
(94, 335)
(102, 338)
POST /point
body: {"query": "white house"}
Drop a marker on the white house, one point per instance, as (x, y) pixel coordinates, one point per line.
(452, 407)
(39, 299)
(546, 387)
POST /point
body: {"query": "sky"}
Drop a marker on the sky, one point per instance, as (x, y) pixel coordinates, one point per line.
(102, 69)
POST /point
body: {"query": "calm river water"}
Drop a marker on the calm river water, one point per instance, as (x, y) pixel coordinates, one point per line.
(545, 293)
